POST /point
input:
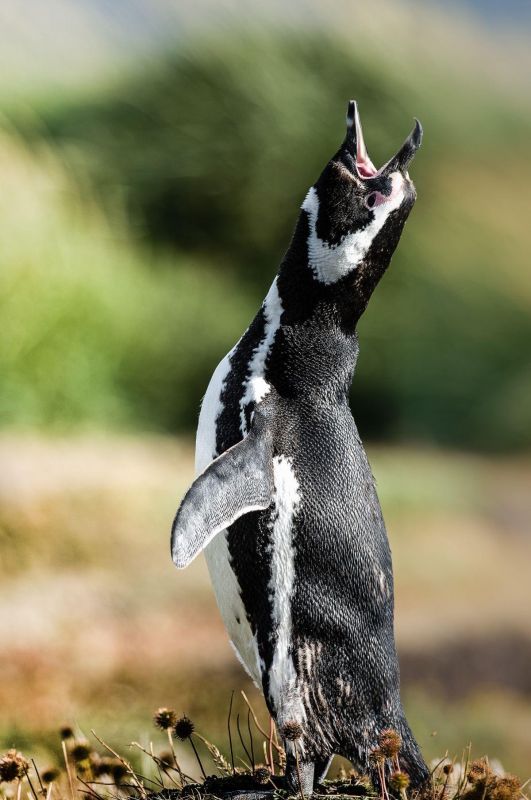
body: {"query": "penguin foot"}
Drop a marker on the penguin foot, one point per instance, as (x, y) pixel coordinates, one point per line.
(247, 794)
(299, 776)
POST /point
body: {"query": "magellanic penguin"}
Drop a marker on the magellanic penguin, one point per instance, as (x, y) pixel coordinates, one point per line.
(285, 505)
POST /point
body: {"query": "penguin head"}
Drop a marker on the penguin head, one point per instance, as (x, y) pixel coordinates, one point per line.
(356, 212)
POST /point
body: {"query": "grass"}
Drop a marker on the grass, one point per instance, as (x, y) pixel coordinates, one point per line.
(98, 628)
(96, 770)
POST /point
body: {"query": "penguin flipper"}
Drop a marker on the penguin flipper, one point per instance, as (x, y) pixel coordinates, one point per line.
(237, 482)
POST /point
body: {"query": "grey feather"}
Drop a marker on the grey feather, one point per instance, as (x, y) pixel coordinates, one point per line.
(239, 481)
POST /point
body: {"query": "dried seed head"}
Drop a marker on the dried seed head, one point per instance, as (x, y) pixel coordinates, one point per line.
(478, 770)
(165, 718)
(506, 788)
(399, 780)
(101, 766)
(183, 728)
(50, 775)
(13, 765)
(118, 771)
(390, 743)
(292, 730)
(376, 756)
(66, 732)
(94, 760)
(80, 751)
(262, 774)
(166, 758)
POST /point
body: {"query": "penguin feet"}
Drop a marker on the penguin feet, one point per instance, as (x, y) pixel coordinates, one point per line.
(249, 794)
(299, 776)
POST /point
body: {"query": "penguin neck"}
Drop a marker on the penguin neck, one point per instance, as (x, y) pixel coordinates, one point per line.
(313, 360)
(315, 348)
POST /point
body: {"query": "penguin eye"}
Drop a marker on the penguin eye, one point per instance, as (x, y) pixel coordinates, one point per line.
(370, 200)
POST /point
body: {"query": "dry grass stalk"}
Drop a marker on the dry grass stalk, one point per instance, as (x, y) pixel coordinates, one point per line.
(126, 764)
(465, 780)
(217, 756)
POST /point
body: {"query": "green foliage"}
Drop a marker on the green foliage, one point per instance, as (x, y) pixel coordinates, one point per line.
(215, 148)
(94, 332)
(210, 152)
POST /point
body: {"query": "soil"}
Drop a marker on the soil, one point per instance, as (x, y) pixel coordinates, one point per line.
(245, 787)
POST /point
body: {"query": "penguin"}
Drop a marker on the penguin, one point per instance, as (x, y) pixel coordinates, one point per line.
(284, 505)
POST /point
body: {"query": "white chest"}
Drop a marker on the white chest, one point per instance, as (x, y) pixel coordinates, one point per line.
(217, 556)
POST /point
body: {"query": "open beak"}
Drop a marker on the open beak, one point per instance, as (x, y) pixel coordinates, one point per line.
(364, 166)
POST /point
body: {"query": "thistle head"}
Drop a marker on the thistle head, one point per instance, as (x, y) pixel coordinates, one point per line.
(119, 771)
(183, 728)
(102, 766)
(262, 774)
(399, 780)
(390, 742)
(376, 756)
(13, 765)
(505, 788)
(166, 759)
(49, 775)
(478, 770)
(80, 751)
(292, 731)
(165, 718)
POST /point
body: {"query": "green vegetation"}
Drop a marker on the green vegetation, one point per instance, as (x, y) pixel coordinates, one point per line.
(123, 285)
(94, 331)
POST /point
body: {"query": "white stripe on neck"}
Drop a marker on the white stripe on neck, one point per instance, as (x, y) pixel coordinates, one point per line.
(256, 387)
(328, 262)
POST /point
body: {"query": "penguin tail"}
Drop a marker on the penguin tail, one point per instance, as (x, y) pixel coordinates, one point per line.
(410, 757)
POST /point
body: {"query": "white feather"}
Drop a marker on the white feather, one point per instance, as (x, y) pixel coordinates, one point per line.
(283, 677)
(332, 262)
(257, 387)
(211, 407)
(224, 582)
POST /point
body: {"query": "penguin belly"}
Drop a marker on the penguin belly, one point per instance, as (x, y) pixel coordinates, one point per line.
(268, 652)
(224, 581)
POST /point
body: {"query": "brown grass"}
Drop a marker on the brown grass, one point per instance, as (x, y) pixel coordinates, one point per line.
(98, 628)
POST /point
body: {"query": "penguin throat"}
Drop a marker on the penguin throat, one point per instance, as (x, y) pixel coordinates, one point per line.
(331, 262)
(321, 356)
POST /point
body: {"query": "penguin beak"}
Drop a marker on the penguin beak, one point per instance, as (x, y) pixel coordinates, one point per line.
(401, 161)
(364, 166)
(356, 145)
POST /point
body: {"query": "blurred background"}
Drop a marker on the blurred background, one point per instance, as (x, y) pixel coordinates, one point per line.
(153, 155)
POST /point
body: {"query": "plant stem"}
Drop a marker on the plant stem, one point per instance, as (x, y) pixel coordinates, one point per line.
(197, 756)
(271, 762)
(230, 732)
(172, 747)
(67, 766)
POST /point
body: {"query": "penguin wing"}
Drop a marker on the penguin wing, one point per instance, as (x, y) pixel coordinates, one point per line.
(239, 481)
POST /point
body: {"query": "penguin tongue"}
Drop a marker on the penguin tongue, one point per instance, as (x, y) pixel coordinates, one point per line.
(364, 165)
